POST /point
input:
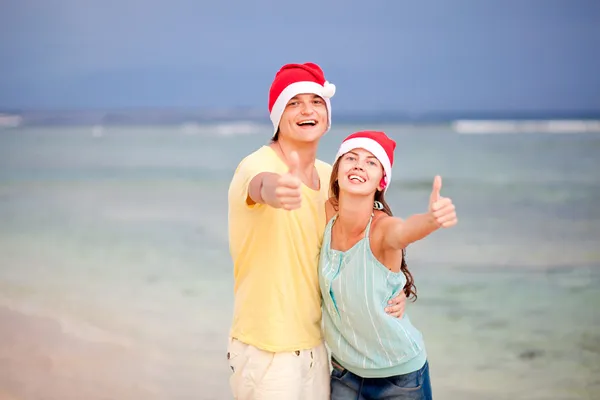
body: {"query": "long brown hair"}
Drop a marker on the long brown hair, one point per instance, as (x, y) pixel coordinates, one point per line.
(410, 290)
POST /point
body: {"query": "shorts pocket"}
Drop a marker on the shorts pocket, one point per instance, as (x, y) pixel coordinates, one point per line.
(234, 350)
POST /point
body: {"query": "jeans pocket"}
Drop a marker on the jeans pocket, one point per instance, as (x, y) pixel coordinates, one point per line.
(337, 371)
(407, 382)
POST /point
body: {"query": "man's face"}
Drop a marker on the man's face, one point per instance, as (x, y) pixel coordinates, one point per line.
(304, 118)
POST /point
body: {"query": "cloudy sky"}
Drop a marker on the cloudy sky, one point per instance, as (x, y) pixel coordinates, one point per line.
(413, 56)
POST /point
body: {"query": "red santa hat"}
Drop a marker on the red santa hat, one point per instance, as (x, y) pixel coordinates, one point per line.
(377, 143)
(295, 79)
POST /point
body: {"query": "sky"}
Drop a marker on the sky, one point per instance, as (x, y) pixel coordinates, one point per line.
(394, 55)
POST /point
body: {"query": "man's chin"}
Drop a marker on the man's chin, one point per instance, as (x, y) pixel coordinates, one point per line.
(310, 135)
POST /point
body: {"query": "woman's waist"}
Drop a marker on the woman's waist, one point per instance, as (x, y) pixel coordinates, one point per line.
(380, 349)
(381, 370)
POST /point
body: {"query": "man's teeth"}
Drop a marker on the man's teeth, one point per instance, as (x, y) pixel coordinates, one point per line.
(308, 122)
(356, 178)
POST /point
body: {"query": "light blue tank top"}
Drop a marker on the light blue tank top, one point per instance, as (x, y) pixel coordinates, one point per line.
(362, 337)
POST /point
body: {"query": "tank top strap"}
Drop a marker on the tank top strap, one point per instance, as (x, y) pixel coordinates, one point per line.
(328, 229)
(332, 220)
(368, 230)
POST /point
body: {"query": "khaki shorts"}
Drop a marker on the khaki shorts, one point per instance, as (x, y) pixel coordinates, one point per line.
(261, 375)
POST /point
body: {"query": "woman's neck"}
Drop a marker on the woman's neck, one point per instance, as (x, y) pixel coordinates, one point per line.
(354, 213)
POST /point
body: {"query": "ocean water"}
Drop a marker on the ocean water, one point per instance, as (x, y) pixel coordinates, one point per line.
(120, 233)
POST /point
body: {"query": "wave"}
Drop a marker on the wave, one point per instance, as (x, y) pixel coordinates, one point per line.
(527, 126)
(480, 127)
(512, 184)
(224, 129)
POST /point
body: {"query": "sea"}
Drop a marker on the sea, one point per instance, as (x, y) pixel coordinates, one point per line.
(116, 278)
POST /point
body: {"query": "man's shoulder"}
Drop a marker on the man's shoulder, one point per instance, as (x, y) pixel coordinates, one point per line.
(257, 155)
(261, 157)
(322, 165)
(324, 169)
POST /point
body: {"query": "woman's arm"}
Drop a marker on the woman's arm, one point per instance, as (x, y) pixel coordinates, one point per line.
(398, 234)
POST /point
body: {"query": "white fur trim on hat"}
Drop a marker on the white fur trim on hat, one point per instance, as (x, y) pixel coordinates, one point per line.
(372, 146)
(328, 89)
(326, 92)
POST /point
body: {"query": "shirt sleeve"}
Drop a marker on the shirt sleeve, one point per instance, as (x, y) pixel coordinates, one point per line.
(245, 172)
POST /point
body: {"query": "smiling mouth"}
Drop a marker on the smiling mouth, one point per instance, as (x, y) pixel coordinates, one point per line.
(308, 122)
(356, 178)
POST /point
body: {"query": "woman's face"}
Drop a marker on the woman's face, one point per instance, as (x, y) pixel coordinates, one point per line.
(360, 172)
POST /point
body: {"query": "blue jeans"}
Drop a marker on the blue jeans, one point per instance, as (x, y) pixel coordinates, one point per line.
(412, 386)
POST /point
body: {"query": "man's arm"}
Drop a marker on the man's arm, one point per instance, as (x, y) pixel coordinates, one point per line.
(396, 306)
(257, 184)
(278, 191)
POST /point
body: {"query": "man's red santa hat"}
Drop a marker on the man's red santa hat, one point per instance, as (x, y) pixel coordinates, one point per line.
(295, 79)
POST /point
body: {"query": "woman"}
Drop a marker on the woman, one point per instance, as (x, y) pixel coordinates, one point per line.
(362, 266)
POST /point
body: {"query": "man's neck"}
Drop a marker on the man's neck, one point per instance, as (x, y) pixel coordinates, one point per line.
(307, 152)
(354, 213)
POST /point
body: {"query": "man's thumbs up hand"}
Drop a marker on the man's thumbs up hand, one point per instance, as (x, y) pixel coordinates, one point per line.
(289, 186)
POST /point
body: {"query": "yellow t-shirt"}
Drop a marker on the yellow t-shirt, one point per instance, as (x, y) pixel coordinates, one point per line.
(275, 254)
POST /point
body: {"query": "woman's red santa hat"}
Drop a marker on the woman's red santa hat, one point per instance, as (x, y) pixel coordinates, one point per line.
(378, 144)
(295, 79)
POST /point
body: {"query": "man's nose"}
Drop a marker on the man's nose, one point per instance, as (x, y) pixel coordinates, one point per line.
(307, 109)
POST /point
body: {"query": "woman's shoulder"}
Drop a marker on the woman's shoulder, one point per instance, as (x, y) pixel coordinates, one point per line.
(381, 224)
(330, 208)
(380, 219)
(381, 228)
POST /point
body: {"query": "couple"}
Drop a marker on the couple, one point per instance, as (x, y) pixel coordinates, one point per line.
(316, 253)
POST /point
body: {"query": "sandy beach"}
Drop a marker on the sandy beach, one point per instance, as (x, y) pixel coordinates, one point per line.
(39, 360)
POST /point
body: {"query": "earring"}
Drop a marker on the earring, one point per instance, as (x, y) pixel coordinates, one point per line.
(377, 205)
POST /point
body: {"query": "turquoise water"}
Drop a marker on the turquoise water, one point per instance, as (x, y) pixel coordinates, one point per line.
(124, 231)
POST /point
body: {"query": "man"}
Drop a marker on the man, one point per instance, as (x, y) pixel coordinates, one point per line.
(276, 223)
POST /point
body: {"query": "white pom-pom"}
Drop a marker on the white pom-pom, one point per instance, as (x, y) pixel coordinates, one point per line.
(328, 89)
